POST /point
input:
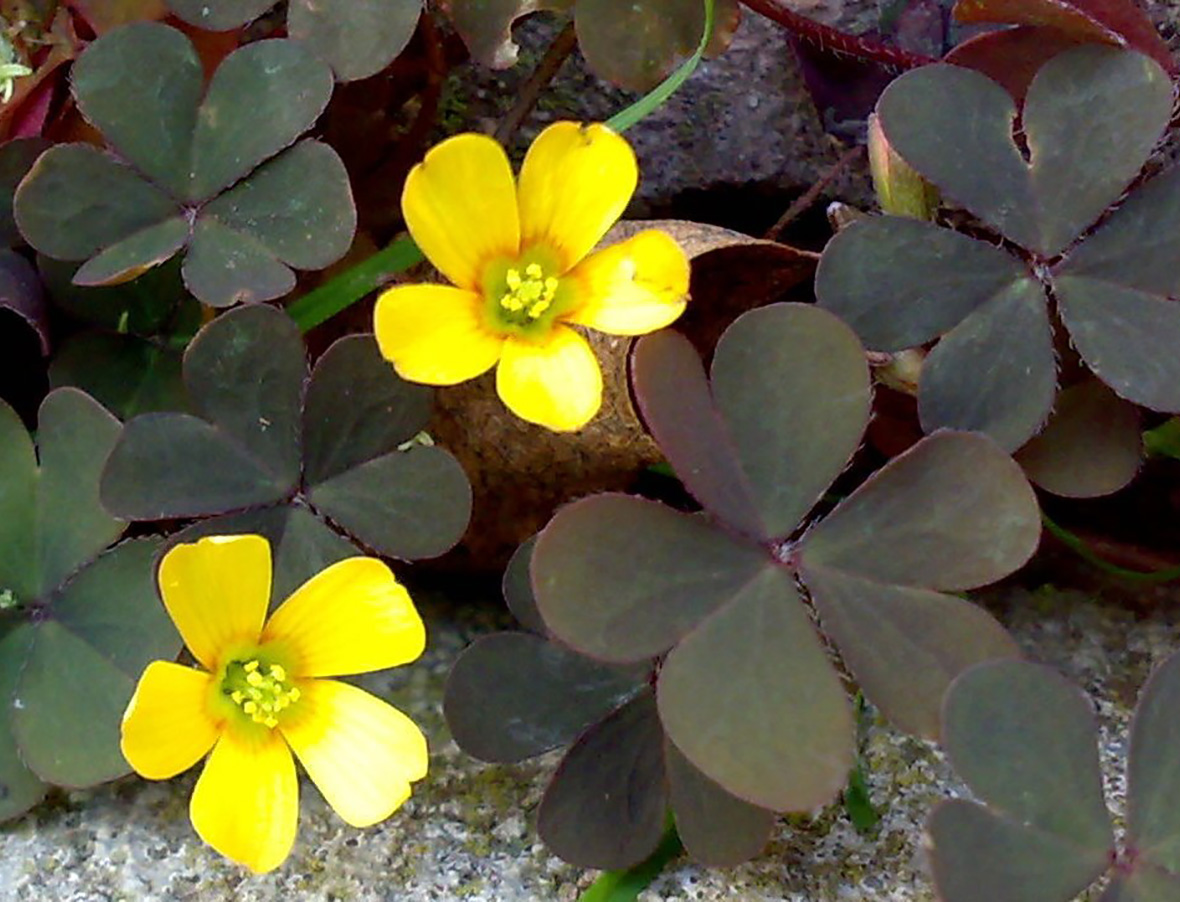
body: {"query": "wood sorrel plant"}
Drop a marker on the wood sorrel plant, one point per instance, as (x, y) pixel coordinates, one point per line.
(1062, 260)
(709, 604)
(1025, 741)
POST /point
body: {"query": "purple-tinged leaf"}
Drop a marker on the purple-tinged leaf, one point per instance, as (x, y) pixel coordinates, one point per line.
(512, 696)
(1091, 446)
(716, 828)
(21, 292)
(606, 804)
(1025, 740)
(623, 579)
(1144, 883)
(953, 512)
(1115, 296)
(669, 381)
(980, 856)
(791, 384)
(1091, 118)
(517, 586)
(995, 372)
(777, 729)
(1122, 23)
(1153, 772)
(899, 282)
(918, 642)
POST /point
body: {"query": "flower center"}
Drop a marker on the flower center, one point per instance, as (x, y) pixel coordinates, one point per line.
(260, 690)
(527, 296)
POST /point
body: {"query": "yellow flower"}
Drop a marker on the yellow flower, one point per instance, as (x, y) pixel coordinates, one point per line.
(519, 258)
(260, 696)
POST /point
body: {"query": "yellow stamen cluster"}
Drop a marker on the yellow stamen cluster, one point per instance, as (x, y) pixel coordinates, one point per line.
(260, 692)
(531, 294)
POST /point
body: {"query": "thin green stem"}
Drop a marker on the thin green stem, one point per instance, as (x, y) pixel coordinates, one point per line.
(625, 886)
(350, 286)
(1086, 553)
(624, 119)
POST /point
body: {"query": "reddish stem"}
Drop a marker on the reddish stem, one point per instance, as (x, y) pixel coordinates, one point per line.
(841, 42)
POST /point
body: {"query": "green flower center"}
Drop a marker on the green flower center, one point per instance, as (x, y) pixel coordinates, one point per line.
(261, 690)
(528, 296)
(525, 295)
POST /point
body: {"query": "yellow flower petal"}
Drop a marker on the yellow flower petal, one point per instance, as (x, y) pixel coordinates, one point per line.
(460, 206)
(246, 803)
(434, 334)
(556, 384)
(216, 590)
(361, 752)
(576, 181)
(167, 727)
(633, 287)
(353, 617)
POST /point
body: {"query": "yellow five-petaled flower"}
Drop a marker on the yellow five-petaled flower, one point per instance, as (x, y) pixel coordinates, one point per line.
(518, 257)
(260, 695)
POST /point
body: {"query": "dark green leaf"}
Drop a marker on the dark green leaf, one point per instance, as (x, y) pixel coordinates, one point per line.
(716, 828)
(1091, 445)
(904, 645)
(224, 267)
(899, 282)
(142, 250)
(20, 789)
(677, 404)
(517, 586)
(1153, 771)
(219, 15)
(1024, 739)
(74, 437)
(357, 408)
(176, 465)
(245, 373)
(996, 371)
(279, 83)
(605, 806)
(18, 507)
(99, 633)
(954, 512)
(358, 38)
(1091, 118)
(146, 305)
(809, 369)
(777, 729)
(77, 201)
(979, 856)
(16, 159)
(511, 696)
(128, 375)
(406, 504)
(592, 594)
(140, 86)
